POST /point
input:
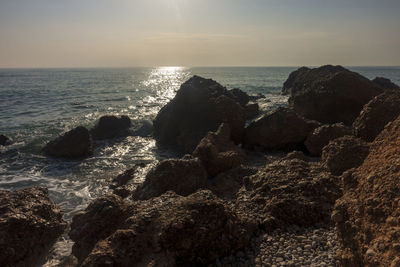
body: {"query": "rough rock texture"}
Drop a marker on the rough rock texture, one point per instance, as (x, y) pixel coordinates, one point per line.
(368, 215)
(376, 114)
(199, 106)
(239, 96)
(321, 136)
(29, 224)
(344, 153)
(4, 140)
(329, 94)
(385, 83)
(281, 129)
(76, 143)
(169, 230)
(251, 110)
(218, 153)
(183, 176)
(110, 126)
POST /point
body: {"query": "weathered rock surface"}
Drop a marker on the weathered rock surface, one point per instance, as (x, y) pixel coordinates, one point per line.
(329, 94)
(376, 114)
(183, 176)
(4, 140)
(321, 136)
(218, 153)
(385, 83)
(344, 153)
(109, 127)
(76, 143)
(251, 110)
(239, 96)
(169, 230)
(367, 216)
(29, 225)
(281, 129)
(199, 106)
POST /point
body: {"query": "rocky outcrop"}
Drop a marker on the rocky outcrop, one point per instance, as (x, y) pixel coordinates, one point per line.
(29, 225)
(199, 106)
(218, 153)
(367, 216)
(385, 83)
(255, 97)
(376, 114)
(109, 127)
(4, 140)
(281, 129)
(321, 136)
(239, 96)
(169, 230)
(76, 143)
(344, 153)
(329, 94)
(183, 176)
(251, 110)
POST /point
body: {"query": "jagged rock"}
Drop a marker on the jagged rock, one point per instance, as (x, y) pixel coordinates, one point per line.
(109, 127)
(29, 225)
(123, 178)
(4, 140)
(367, 217)
(296, 155)
(376, 114)
(76, 143)
(385, 83)
(344, 153)
(281, 129)
(255, 97)
(239, 96)
(218, 153)
(329, 94)
(183, 176)
(169, 230)
(199, 106)
(321, 136)
(251, 110)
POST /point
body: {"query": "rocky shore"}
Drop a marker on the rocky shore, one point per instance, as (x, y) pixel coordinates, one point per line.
(311, 184)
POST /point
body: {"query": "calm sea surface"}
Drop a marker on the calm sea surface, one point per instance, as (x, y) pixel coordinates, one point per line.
(36, 105)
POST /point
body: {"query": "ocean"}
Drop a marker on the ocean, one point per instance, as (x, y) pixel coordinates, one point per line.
(37, 105)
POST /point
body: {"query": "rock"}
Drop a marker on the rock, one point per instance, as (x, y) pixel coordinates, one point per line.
(376, 114)
(255, 97)
(126, 176)
(385, 83)
(168, 230)
(344, 153)
(239, 96)
(199, 106)
(146, 129)
(29, 225)
(4, 140)
(281, 129)
(109, 127)
(296, 155)
(329, 94)
(251, 110)
(321, 136)
(183, 176)
(218, 153)
(76, 143)
(369, 229)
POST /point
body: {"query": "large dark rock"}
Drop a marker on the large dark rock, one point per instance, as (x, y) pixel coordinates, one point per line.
(29, 225)
(239, 96)
(109, 127)
(199, 106)
(76, 143)
(281, 129)
(4, 140)
(321, 136)
(183, 176)
(367, 217)
(376, 114)
(169, 230)
(218, 153)
(385, 83)
(329, 94)
(252, 110)
(344, 153)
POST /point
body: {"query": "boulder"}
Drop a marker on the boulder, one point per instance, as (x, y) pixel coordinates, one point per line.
(255, 97)
(146, 129)
(109, 127)
(280, 129)
(4, 140)
(76, 143)
(30, 223)
(329, 94)
(367, 216)
(183, 176)
(239, 96)
(386, 83)
(169, 230)
(376, 114)
(218, 153)
(199, 106)
(344, 153)
(251, 110)
(321, 136)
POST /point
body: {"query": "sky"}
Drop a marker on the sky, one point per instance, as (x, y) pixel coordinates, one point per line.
(129, 33)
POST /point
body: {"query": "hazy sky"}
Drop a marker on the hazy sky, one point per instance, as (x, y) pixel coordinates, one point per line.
(120, 33)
